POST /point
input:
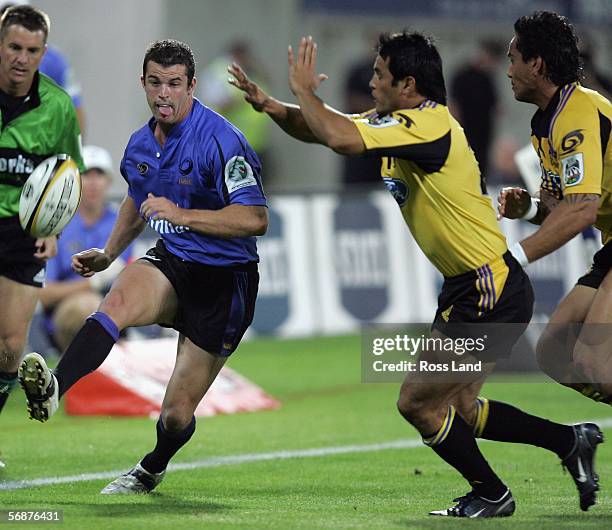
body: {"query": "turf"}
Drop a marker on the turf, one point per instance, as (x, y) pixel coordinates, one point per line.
(324, 404)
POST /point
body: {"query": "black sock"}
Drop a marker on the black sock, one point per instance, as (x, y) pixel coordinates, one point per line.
(7, 382)
(168, 443)
(455, 443)
(87, 350)
(506, 423)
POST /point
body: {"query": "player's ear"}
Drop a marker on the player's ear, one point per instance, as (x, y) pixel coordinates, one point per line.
(409, 85)
(194, 82)
(142, 81)
(539, 66)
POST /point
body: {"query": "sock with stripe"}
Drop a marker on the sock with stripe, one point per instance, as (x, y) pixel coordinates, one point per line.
(7, 382)
(456, 445)
(168, 443)
(87, 351)
(504, 423)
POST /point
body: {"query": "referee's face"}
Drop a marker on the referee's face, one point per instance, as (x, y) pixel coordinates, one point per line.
(21, 51)
(169, 95)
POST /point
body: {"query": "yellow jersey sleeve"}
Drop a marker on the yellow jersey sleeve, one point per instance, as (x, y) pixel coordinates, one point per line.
(418, 135)
(576, 139)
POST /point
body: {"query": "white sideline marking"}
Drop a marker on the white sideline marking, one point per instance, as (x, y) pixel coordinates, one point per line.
(239, 459)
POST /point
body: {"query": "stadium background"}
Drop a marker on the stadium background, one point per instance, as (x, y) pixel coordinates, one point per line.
(333, 257)
(336, 454)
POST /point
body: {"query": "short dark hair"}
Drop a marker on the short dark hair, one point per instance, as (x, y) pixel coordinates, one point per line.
(552, 37)
(413, 54)
(31, 18)
(169, 52)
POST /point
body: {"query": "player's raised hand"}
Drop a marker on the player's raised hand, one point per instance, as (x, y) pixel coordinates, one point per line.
(253, 93)
(161, 208)
(513, 203)
(90, 261)
(303, 69)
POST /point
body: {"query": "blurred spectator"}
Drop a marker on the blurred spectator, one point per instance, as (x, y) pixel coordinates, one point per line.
(474, 97)
(56, 66)
(358, 99)
(214, 89)
(67, 297)
(593, 77)
(504, 171)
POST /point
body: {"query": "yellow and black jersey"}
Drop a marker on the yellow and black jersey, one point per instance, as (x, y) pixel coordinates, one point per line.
(432, 173)
(572, 139)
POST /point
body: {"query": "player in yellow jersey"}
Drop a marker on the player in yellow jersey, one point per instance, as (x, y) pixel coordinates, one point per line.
(571, 134)
(432, 173)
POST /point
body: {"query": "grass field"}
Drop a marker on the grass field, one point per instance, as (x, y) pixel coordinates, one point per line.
(324, 405)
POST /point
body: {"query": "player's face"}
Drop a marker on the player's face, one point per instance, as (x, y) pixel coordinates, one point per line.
(521, 74)
(21, 51)
(386, 96)
(168, 94)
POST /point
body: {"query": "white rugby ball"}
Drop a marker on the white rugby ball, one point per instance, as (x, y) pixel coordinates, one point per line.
(50, 197)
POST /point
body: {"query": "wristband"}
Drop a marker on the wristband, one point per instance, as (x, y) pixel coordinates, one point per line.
(532, 211)
(519, 254)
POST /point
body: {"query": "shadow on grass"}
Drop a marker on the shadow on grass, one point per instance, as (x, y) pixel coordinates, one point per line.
(128, 506)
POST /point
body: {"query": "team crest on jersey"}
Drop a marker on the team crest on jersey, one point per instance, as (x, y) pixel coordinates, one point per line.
(238, 174)
(142, 168)
(573, 169)
(398, 189)
(186, 166)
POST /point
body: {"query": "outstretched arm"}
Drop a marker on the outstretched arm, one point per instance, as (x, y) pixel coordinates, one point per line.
(334, 129)
(288, 117)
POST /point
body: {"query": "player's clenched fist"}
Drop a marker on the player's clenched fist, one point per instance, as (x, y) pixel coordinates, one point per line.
(513, 203)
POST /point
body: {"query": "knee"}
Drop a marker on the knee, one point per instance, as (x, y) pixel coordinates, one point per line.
(176, 418)
(114, 305)
(12, 347)
(411, 407)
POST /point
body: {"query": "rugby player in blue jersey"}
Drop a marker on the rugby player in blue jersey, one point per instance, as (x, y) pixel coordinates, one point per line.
(193, 177)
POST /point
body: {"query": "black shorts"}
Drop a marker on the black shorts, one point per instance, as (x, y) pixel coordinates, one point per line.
(602, 263)
(215, 304)
(17, 261)
(495, 300)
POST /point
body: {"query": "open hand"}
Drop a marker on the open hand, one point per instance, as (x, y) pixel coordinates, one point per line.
(302, 71)
(253, 94)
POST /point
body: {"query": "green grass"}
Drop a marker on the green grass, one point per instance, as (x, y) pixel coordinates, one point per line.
(324, 404)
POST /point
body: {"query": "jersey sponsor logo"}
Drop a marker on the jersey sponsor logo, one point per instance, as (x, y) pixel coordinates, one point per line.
(573, 169)
(142, 168)
(186, 166)
(398, 189)
(162, 226)
(571, 140)
(238, 174)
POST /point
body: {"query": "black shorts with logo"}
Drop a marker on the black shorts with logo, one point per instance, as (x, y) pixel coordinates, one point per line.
(602, 263)
(495, 300)
(215, 304)
(17, 261)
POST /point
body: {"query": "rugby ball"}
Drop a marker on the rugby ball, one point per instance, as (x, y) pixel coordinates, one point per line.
(50, 197)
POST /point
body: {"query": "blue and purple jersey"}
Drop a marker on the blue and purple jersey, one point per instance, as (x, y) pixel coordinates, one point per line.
(205, 164)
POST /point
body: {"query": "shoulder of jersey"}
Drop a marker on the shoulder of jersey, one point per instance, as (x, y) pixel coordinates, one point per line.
(50, 89)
